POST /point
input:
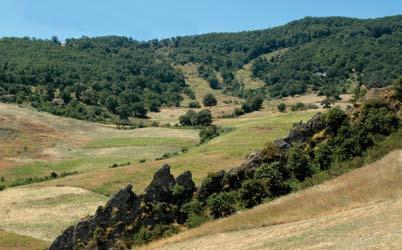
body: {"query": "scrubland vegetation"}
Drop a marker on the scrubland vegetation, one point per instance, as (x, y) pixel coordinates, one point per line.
(184, 102)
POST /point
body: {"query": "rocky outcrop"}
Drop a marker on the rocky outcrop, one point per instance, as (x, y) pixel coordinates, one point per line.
(113, 226)
(302, 132)
(160, 188)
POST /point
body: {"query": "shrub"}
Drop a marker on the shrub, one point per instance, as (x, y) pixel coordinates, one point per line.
(214, 82)
(222, 204)
(196, 220)
(238, 112)
(281, 107)
(298, 164)
(194, 105)
(252, 192)
(188, 119)
(246, 107)
(256, 103)
(208, 132)
(209, 100)
(191, 208)
(323, 156)
(204, 117)
(298, 106)
(2, 187)
(145, 235)
(333, 119)
(378, 118)
(192, 118)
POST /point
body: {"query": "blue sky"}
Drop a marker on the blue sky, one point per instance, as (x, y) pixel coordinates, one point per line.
(148, 19)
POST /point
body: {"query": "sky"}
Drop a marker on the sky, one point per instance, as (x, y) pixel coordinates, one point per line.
(150, 19)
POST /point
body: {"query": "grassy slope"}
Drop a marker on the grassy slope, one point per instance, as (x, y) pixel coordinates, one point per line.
(340, 213)
(35, 144)
(251, 132)
(12, 241)
(45, 212)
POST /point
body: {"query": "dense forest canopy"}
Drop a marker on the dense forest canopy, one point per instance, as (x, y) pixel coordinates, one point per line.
(105, 77)
(321, 51)
(111, 74)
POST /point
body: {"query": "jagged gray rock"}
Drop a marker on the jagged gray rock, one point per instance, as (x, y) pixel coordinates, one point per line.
(125, 213)
(160, 188)
(302, 132)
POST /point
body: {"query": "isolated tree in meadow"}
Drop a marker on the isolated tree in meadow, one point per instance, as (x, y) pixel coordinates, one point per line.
(282, 107)
(209, 100)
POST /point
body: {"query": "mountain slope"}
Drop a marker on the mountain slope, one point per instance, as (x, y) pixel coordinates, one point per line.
(340, 213)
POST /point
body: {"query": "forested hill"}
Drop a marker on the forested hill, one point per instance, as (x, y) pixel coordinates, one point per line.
(100, 78)
(93, 77)
(321, 51)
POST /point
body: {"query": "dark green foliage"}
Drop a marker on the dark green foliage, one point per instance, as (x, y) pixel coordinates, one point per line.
(192, 118)
(114, 73)
(194, 105)
(281, 107)
(378, 118)
(298, 106)
(398, 89)
(189, 119)
(298, 164)
(196, 220)
(208, 132)
(194, 207)
(256, 103)
(273, 174)
(209, 100)
(334, 119)
(146, 235)
(213, 183)
(204, 117)
(30, 180)
(321, 51)
(246, 107)
(222, 204)
(2, 187)
(214, 82)
(252, 192)
(323, 156)
(238, 112)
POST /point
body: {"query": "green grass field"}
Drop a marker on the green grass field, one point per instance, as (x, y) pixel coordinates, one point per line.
(250, 133)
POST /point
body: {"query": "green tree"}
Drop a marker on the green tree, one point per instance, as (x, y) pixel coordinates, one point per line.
(208, 132)
(298, 164)
(252, 192)
(204, 117)
(209, 100)
(282, 107)
(256, 103)
(222, 204)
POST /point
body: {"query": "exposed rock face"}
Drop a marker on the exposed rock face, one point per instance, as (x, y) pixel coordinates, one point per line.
(162, 183)
(186, 181)
(125, 213)
(103, 230)
(302, 132)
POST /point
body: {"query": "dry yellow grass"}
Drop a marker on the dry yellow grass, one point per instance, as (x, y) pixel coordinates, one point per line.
(12, 241)
(361, 209)
(44, 212)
